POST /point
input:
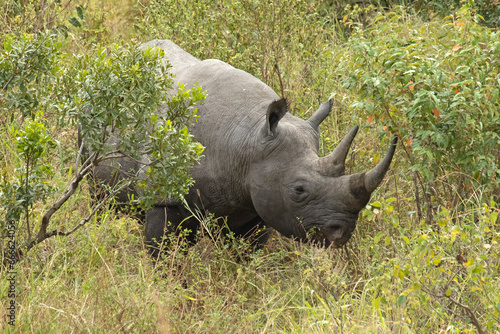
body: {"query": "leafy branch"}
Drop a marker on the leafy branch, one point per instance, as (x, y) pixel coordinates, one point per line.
(115, 97)
(448, 295)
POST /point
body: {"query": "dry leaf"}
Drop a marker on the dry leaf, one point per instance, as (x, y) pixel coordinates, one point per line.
(436, 113)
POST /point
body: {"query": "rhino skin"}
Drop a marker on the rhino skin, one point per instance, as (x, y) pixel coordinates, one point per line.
(261, 166)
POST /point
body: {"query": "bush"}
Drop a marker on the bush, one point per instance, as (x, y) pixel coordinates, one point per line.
(488, 11)
(436, 86)
(29, 67)
(430, 272)
(114, 94)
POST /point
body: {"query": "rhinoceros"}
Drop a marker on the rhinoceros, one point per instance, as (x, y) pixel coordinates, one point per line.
(261, 167)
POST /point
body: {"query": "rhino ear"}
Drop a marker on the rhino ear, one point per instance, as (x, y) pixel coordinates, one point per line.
(275, 112)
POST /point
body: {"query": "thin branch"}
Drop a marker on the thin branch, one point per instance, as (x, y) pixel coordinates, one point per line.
(417, 197)
(80, 152)
(8, 82)
(276, 68)
(87, 219)
(417, 174)
(54, 17)
(90, 162)
(40, 16)
(79, 225)
(46, 218)
(27, 191)
(474, 320)
(42, 232)
(472, 315)
(119, 154)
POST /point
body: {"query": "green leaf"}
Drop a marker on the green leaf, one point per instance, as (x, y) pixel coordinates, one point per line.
(387, 240)
(377, 238)
(74, 21)
(79, 11)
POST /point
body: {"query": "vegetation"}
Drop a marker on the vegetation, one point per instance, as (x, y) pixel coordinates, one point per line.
(425, 257)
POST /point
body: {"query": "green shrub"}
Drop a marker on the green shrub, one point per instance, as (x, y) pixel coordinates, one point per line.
(488, 11)
(436, 86)
(29, 67)
(430, 273)
(114, 94)
(119, 93)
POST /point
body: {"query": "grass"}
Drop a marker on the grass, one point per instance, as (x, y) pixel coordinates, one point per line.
(102, 280)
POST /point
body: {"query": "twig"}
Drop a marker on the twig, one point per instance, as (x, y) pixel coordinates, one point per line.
(40, 16)
(8, 82)
(473, 317)
(417, 197)
(276, 68)
(79, 225)
(396, 178)
(27, 191)
(80, 152)
(277, 52)
(42, 232)
(474, 320)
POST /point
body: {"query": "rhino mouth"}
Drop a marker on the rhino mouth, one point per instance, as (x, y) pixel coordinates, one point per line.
(318, 237)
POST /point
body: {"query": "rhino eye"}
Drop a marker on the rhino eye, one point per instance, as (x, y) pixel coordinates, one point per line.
(299, 190)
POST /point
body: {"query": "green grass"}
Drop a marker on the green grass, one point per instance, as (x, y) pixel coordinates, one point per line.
(102, 280)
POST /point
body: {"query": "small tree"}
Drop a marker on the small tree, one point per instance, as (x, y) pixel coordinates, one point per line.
(437, 86)
(114, 95)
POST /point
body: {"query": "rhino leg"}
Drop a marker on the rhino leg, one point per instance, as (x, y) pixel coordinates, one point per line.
(256, 232)
(164, 220)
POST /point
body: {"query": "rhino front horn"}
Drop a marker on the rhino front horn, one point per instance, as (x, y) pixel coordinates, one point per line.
(334, 163)
(375, 176)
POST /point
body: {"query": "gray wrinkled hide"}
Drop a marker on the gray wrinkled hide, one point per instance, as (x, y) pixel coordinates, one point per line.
(261, 166)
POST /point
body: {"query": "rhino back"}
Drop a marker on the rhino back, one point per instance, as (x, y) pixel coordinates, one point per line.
(177, 57)
(229, 121)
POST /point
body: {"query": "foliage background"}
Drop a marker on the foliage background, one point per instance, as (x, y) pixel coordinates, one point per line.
(425, 256)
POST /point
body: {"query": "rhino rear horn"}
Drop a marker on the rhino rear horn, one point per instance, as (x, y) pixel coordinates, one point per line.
(375, 176)
(334, 163)
(320, 115)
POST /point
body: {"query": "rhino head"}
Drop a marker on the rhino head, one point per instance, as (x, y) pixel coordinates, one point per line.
(295, 191)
